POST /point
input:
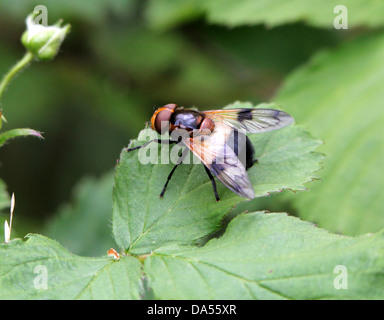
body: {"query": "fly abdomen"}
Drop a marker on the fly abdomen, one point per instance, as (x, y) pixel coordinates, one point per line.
(243, 148)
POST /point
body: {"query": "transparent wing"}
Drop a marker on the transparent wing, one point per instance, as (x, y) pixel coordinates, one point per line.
(251, 120)
(221, 160)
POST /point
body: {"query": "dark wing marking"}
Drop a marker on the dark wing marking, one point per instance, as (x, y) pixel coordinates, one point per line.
(221, 160)
(251, 120)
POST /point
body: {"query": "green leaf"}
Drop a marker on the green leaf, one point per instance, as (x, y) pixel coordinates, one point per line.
(342, 102)
(143, 222)
(166, 14)
(318, 13)
(5, 136)
(270, 256)
(83, 226)
(23, 266)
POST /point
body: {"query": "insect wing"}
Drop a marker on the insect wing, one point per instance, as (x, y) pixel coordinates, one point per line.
(251, 120)
(221, 160)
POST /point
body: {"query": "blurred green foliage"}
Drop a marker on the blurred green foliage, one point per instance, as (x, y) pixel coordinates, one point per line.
(124, 58)
(346, 100)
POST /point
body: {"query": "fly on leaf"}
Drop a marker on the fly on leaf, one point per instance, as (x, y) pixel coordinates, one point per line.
(218, 139)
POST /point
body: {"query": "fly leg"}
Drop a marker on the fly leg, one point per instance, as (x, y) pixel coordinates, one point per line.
(153, 140)
(179, 161)
(213, 183)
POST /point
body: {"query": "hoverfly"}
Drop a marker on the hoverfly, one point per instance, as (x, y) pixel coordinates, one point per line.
(217, 138)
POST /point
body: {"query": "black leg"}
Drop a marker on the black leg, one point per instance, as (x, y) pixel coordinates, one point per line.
(213, 182)
(168, 179)
(179, 161)
(154, 140)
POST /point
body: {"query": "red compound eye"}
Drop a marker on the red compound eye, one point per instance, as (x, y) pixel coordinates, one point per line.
(162, 114)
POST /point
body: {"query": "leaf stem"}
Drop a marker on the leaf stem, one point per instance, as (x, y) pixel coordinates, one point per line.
(15, 70)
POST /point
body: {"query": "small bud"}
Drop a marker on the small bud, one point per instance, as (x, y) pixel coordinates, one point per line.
(43, 41)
